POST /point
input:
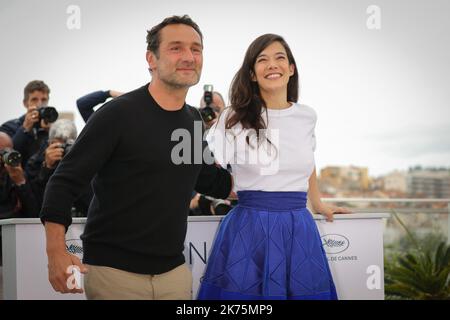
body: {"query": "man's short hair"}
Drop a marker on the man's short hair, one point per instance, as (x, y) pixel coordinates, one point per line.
(5, 141)
(35, 85)
(153, 35)
(63, 129)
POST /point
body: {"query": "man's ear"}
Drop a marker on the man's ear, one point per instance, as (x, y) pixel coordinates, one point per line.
(151, 60)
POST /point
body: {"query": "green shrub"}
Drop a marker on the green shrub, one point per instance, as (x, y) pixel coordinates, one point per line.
(421, 272)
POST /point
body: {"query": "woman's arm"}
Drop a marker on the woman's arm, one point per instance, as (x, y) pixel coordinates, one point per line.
(316, 203)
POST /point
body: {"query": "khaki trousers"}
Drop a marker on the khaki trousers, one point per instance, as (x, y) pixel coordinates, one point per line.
(105, 283)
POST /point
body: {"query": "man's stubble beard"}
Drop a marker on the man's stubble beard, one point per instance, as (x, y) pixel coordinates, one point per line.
(173, 81)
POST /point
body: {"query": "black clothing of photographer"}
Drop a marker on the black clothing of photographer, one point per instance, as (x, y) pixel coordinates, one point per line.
(16, 197)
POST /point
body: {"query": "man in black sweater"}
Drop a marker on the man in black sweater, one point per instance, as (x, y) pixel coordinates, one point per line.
(134, 236)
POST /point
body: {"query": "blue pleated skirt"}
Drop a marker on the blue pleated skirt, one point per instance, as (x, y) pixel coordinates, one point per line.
(268, 247)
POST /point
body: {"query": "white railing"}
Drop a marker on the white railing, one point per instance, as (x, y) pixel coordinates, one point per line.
(399, 210)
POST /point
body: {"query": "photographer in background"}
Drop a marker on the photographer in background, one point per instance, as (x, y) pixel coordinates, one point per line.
(16, 196)
(43, 164)
(87, 103)
(30, 130)
(211, 105)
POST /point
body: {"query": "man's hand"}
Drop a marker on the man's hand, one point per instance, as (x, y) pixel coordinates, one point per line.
(211, 123)
(31, 117)
(62, 268)
(232, 195)
(53, 154)
(194, 201)
(45, 125)
(114, 93)
(16, 174)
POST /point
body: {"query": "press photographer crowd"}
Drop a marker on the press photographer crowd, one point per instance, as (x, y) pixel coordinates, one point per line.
(32, 146)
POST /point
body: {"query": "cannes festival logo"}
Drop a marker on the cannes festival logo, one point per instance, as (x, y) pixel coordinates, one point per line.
(335, 243)
(75, 247)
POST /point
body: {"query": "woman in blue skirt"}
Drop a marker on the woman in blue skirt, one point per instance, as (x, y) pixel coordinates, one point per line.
(268, 246)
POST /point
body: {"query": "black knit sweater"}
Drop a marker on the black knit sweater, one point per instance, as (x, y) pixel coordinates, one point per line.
(138, 216)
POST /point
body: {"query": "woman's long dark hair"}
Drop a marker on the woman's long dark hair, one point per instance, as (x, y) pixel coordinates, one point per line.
(246, 101)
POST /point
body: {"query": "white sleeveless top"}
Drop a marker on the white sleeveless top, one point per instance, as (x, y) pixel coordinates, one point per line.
(284, 165)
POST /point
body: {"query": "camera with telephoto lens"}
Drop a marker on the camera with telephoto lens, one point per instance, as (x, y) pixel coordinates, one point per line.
(48, 114)
(207, 112)
(10, 157)
(67, 146)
